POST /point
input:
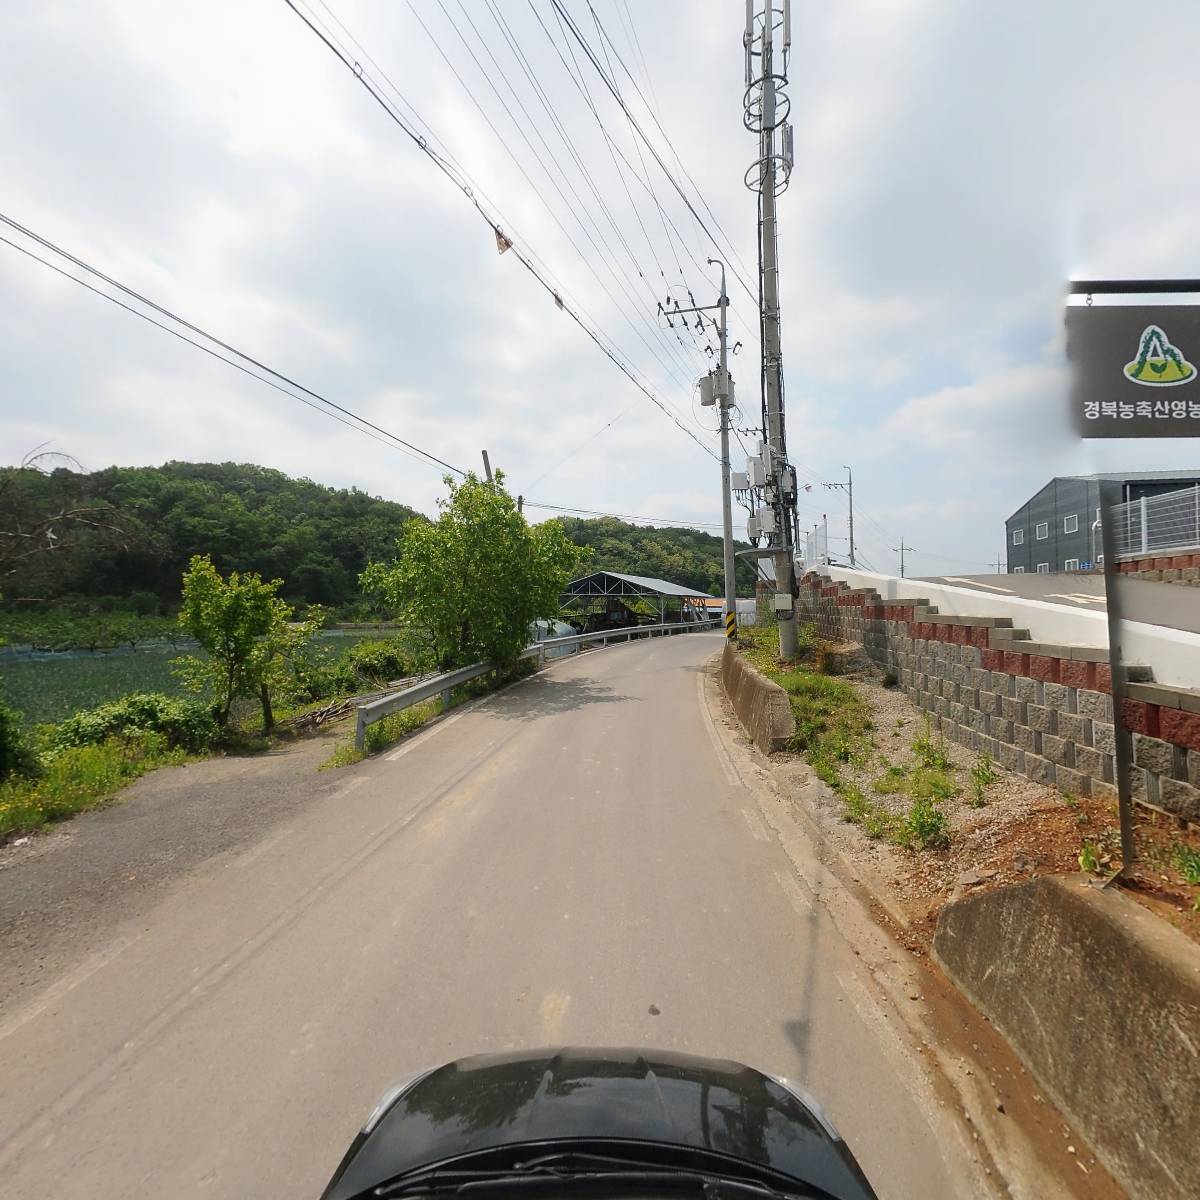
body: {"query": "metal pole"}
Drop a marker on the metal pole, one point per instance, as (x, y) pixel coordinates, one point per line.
(724, 400)
(1142, 506)
(772, 352)
(850, 493)
(487, 467)
(1123, 739)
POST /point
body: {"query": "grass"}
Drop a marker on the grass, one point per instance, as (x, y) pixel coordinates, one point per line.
(80, 778)
(1187, 861)
(983, 775)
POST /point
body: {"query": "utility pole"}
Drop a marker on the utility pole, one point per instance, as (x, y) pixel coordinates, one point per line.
(771, 26)
(849, 486)
(901, 549)
(487, 467)
(999, 564)
(719, 390)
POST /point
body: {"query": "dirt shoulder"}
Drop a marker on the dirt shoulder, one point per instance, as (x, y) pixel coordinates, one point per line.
(60, 890)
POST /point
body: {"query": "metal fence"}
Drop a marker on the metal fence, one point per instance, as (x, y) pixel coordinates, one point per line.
(1164, 524)
(442, 685)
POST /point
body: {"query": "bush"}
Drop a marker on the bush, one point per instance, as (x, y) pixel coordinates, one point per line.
(16, 755)
(924, 825)
(182, 724)
(891, 679)
(374, 663)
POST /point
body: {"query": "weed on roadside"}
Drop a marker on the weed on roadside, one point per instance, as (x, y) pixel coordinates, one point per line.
(932, 751)
(983, 774)
(924, 826)
(1187, 861)
(384, 733)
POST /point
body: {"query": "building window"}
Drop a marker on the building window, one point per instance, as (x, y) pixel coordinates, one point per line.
(1018, 570)
(1071, 523)
(1018, 537)
(1043, 568)
(1041, 530)
(1071, 564)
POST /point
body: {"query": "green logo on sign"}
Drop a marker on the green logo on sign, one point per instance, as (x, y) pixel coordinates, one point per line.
(1158, 363)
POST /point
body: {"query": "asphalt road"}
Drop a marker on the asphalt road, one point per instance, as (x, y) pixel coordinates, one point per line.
(1169, 604)
(573, 861)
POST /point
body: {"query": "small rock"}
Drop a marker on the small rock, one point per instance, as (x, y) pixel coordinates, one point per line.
(974, 877)
(914, 995)
(654, 1010)
(1070, 1149)
(999, 1107)
(20, 841)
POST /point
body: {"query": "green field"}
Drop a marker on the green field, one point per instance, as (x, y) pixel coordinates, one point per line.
(53, 686)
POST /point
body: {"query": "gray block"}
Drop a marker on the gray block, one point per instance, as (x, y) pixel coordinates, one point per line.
(1075, 728)
(1193, 767)
(969, 697)
(1058, 696)
(1104, 737)
(1002, 683)
(989, 703)
(958, 713)
(1041, 718)
(1069, 780)
(1094, 763)
(1058, 750)
(1012, 757)
(1154, 754)
(1000, 728)
(980, 678)
(1039, 770)
(941, 706)
(1025, 689)
(972, 656)
(1027, 739)
(1180, 798)
(1096, 705)
(1104, 791)
(1016, 711)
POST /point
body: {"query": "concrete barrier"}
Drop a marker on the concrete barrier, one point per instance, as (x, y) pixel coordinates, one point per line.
(1101, 1000)
(762, 707)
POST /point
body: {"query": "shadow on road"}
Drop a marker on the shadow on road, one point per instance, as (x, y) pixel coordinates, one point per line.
(546, 696)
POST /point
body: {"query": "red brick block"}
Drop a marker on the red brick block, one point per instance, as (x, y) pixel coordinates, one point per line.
(1181, 728)
(1103, 678)
(993, 660)
(978, 637)
(1161, 564)
(1016, 663)
(1041, 666)
(1140, 717)
(1077, 674)
(958, 634)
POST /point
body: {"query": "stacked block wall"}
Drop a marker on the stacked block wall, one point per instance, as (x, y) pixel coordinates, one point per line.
(1043, 711)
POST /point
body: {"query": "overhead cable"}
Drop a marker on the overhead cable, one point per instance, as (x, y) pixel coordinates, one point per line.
(357, 70)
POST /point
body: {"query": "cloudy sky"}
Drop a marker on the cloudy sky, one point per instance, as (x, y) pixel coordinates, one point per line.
(955, 162)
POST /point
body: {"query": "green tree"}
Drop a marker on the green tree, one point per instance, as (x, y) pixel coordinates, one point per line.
(246, 631)
(474, 581)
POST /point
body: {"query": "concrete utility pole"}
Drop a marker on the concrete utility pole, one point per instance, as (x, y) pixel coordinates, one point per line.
(772, 25)
(487, 467)
(901, 549)
(722, 394)
(849, 486)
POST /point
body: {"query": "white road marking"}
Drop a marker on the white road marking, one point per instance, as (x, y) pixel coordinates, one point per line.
(1076, 597)
(974, 583)
(758, 830)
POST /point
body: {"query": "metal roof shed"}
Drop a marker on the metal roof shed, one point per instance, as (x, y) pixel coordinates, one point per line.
(615, 590)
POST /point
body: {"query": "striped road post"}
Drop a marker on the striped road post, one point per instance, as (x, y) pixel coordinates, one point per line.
(731, 624)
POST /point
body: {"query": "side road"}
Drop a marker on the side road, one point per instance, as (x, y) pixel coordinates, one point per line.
(64, 892)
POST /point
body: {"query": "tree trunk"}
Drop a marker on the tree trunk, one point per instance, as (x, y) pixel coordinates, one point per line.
(264, 694)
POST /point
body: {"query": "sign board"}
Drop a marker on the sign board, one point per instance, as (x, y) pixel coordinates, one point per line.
(1135, 370)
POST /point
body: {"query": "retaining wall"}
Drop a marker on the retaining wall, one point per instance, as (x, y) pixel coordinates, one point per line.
(1101, 1000)
(1163, 568)
(762, 706)
(1042, 710)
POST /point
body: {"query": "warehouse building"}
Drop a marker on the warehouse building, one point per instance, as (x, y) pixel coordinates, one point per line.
(1057, 528)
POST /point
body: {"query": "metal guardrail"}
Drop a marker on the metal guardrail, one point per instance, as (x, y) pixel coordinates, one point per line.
(375, 710)
(1158, 524)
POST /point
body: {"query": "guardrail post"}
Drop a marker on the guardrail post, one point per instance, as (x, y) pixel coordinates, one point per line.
(360, 729)
(445, 699)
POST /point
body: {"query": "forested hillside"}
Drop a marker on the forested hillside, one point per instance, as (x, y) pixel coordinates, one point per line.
(122, 537)
(680, 555)
(127, 533)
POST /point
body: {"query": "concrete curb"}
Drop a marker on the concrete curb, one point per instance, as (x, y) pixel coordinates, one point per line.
(762, 707)
(1101, 1001)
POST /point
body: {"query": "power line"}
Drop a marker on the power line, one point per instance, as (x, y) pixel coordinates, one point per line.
(331, 409)
(616, 93)
(357, 70)
(590, 512)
